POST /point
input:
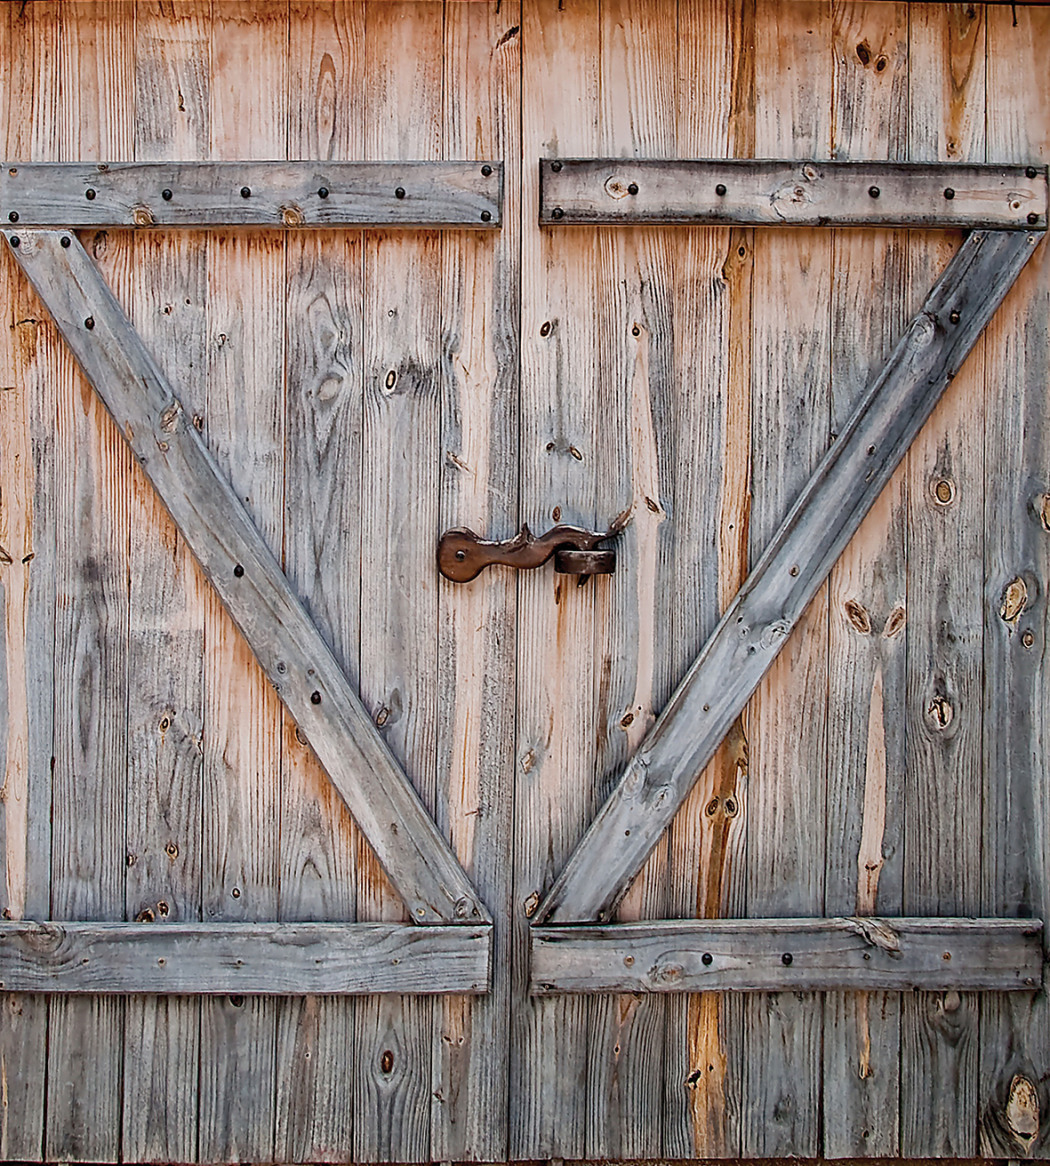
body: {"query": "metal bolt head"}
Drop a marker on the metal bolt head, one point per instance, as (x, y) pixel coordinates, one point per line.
(1028, 639)
(486, 216)
(1031, 172)
(632, 188)
(707, 959)
(557, 213)
(15, 241)
(949, 193)
(486, 170)
(720, 190)
(89, 323)
(166, 195)
(66, 241)
(322, 192)
(556, 167)
(874, 191)
(315, 698)
(954, 317)
(238, 571)
(400, 192)
(13, 216)
(787, 959)
(246, 192)
(1033, 218)
(89, 194)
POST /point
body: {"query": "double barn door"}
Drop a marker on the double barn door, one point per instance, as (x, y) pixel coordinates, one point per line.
(361, 390)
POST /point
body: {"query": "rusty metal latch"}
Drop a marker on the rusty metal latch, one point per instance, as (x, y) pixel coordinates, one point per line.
(463, 555)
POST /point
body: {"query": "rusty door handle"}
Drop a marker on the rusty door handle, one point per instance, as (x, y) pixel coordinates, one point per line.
(462, 555)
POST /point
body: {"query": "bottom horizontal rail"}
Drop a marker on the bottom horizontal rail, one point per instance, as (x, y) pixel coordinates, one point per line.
(274, 959)
(774, 955)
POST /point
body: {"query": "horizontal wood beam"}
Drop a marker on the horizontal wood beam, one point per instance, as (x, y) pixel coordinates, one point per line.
(789, 955)
(772, 193)
(274, 959)
(797, 561)
(251, 194)
(248, 579)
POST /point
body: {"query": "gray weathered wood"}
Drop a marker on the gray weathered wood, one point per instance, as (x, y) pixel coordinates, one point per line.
(274, 959)
(789, 955)
(799, 558)
(800, 193)
(248, 580)
(281, 194)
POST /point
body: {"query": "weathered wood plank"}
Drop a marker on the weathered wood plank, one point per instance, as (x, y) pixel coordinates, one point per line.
(166, 610)
(789, 955)
(88, 863)
(558, 673)
(248, 579)
(712, 335)
(405, 352)
(279, 194)
(480, 297)
(794, 565)
(866, 602)
(34, 373)
(322, 548)
(944, 631)
(800, 193)
(276, 959)
(1014, 1098)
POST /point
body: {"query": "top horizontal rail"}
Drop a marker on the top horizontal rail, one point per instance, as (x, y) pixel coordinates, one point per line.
(251, 194)
(766, 192)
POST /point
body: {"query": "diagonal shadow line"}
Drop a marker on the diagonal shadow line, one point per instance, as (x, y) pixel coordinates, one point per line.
(248, 579)
(792, 569)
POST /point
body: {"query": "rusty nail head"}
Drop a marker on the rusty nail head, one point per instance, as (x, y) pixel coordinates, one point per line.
(720, 189)
(322, 192)
(66, 241)
(400, 192)
(486, 216)
(874, 191)
(949, 193)
(486, 170)
(1033, 218)
(557, 213)
(238, 571)
(13, 216)
(1031, 172)
(89, 323)
(954, 317)
(15, 241)
(707, 958)
(556, 167)
(166, 194)
(89, 194)
(315, 698)
(632, 188)
(787, 959)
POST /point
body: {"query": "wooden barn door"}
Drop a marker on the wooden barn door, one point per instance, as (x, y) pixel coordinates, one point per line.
(365, 390)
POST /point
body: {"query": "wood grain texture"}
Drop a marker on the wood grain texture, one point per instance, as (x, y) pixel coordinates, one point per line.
(279, 194)
(941, 870)
(322, 551)
(480, 298)
(88, 865)
(866, 601)
(166, 610)
(803, 193)
(558, 672)
(35, 371)
(1015, 1035)
(271, 959)
(404, 357)
(789, 955)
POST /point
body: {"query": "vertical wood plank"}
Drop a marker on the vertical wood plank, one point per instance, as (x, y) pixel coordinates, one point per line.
(866, 601)
(790, 419)
(1014, 1100)
(85, 1037)
(244, 427)
(32, 370)
(479, 480)
(323, 552)
(403, 359)
(166, 606)
(630, 464)
(712, 424)
(945, 488)
(558, 689)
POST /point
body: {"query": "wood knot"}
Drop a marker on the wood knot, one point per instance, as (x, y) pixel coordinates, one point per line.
(616, 187)
(858, 616)
(1022, 1109)
(940, 712)
(1043, 508)
(142, 216)
(943, 491)
(894, 622)
(1014, 599)
(292, 215)
(386, 1062)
